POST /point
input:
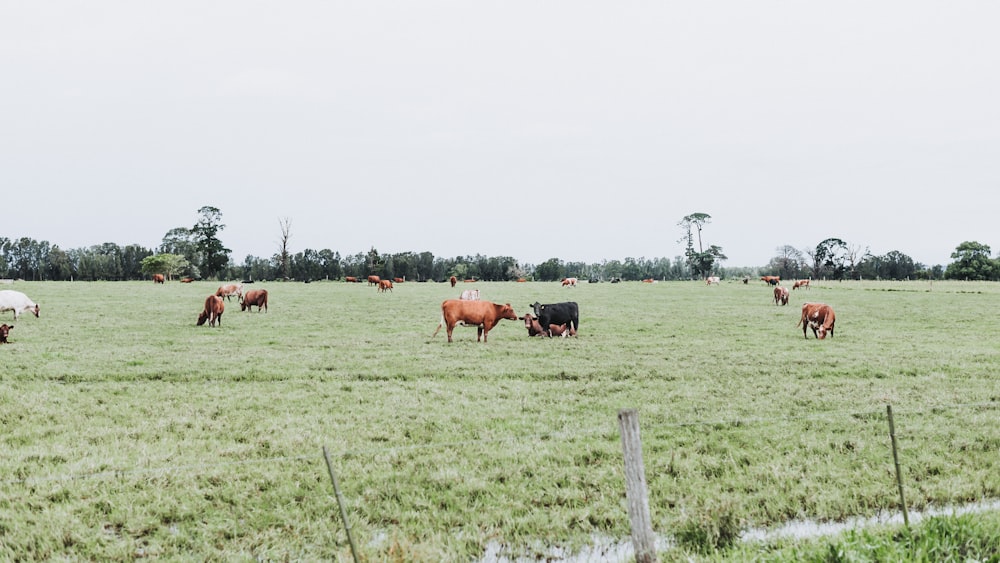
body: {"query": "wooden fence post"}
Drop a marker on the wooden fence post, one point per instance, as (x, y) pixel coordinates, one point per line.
(895, 460)
(643, 539)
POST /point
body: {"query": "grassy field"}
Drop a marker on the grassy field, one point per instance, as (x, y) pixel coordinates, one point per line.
(130, 432)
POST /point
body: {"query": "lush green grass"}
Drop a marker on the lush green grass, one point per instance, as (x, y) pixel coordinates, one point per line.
(129, 431)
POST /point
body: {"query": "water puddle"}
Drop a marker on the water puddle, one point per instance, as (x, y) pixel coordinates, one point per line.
(614, 550)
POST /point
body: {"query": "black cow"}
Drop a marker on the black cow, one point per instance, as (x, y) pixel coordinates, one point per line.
(558, 314)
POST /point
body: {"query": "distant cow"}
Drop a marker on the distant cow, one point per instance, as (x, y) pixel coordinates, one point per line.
(521, 280)
(649, 280)
(800, 283)
(158, 278)
(712, 280)
(535, 329)
(214, 306)
(770, 280)
(350, 279)
(4, 331)
(229, 290)
(484, 315)
(571, 282)
(453, 280)
(780, 295)
(398, 280)
(384, 285)
(470, 295)
(18, 302)
(566, 313)
(819, 317)
(253, 297)
(188, 279)
(373, 280)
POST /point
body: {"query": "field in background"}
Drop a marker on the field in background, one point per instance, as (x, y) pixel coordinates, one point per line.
(130, 432)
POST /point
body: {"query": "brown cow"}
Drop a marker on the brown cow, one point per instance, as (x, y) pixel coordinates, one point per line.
(4, 331)
(780, 295)
(187, 280)
(229, 290)
(350, 279)
(521, 280)
(373, 280)
(384, 285)
(800, 283)
(253, 297)
(770, 280)
(214, 306)
(819, 317)
(157, 278)
(398, 280)
(484, 315)
(453, 280)
(535, 328)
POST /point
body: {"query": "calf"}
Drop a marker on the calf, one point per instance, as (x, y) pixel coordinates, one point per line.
(484, 315)
(214, 306)
(819, 317)
(780, 295)
(535, 329)
(470, 295)
(253, 297)
(384, 285)
(567, 313)
(4, 331)
(18, 302)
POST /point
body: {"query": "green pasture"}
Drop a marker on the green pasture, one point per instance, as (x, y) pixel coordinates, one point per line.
(130, 432)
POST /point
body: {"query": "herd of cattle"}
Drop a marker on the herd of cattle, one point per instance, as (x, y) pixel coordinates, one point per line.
(550, 319)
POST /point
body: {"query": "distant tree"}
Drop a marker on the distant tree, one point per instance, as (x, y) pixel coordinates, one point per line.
(700, 261)
(971, 262)
(283, 256)
(170, 265)
(214, 256)
(550, 270)
(787, 263)
(374, 263)
(830, 258)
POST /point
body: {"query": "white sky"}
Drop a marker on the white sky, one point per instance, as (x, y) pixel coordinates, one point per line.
(576, 130)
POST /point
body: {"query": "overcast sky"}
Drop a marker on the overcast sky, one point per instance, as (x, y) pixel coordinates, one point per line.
(571, 129)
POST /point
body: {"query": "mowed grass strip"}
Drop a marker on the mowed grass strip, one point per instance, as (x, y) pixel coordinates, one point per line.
(129, 431)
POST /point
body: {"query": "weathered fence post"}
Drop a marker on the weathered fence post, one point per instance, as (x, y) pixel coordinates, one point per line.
(340, 501)
(895, 460)
(643, 539)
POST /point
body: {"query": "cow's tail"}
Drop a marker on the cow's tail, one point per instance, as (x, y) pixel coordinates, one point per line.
(439, 326)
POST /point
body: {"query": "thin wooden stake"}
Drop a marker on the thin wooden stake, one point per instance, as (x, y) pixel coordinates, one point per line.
(340, 502)
(899, 475)
(643, 539)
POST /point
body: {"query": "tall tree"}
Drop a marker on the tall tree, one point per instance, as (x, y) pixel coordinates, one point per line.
(214, 256)
(972, 262)
(700, 261)
(286, 234)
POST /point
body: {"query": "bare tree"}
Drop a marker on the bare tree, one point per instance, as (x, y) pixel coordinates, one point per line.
(286, 234)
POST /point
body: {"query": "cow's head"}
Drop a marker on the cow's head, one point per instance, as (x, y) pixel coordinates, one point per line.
(35, 309)
(4, 331)
(202, 317)
(507, 312)
(537, 308)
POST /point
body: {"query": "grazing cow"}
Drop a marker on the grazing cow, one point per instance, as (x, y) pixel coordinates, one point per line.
(229, 290)
(567, 312)
(780, 295)
(771, 280)
(158, 278)
(571, 282)
(4, 331)
(484, 315)
(470, 295)
(746, 280)
(453, 280)
(214, 306)
(819, 317)
(187, 279)
(712, 280)
(649, 280)
(470, 280)
(373, 280)
(253, 297)
(384, 285)
(521, 280)
(535, 329)
(800, 283)
(398, 280)
(18, 302)
(350, 279)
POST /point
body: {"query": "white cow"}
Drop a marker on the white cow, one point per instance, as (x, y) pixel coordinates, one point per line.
(16, 301)
(470, 295)
(712, 280)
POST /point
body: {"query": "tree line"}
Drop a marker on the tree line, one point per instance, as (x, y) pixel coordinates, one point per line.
(198, 252)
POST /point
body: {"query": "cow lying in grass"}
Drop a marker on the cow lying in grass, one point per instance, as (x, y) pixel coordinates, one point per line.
(535, 328)
(4, 331)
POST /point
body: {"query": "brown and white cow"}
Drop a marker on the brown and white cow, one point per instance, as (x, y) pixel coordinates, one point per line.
(570, 282)
(158, 278)
(373, 280)
(535, 328)
(800, 283)
(229, 290)
(214, 306)
(712, 280)
(819, 317)
(18, 302)
(384, 285)
(484, 315)
(253, 297)
(4, 331)
(470, 295)
(780, 295)
(770, 280)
